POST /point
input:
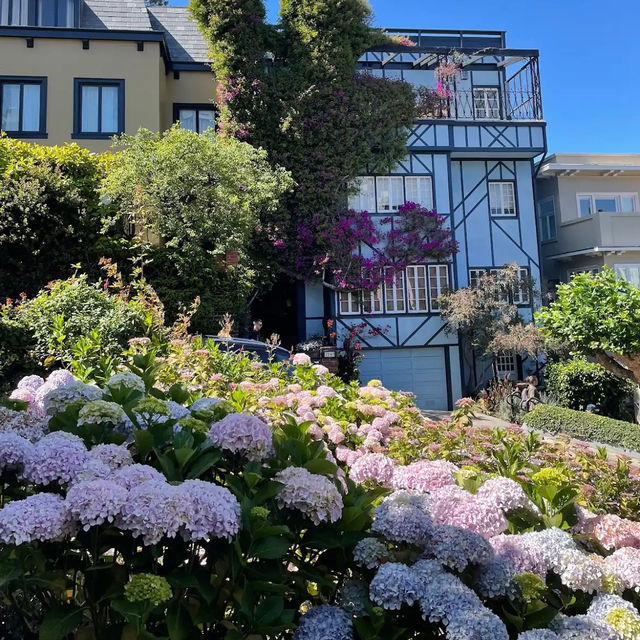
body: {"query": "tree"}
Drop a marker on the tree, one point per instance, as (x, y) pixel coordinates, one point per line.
(203, 197)
(295, 92)
(598, 315)
(488, 321)
(49, 213)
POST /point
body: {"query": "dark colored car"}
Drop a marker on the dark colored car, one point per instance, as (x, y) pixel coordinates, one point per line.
(260, 349)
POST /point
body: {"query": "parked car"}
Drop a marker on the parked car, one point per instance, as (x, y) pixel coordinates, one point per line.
(260, 349)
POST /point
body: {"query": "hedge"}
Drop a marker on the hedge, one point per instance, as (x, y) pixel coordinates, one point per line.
(585, 426)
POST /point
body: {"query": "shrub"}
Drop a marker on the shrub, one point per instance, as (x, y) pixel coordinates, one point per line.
(578, 383)
(72, 318)
(49, 213)
(585, 426)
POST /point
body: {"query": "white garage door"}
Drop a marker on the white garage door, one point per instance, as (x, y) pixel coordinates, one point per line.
(421, 371)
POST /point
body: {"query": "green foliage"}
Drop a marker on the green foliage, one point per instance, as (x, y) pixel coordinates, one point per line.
(204, 197)
(49, 213)
(74, 320)
(585, 426)
(595, 313)
(578, 383)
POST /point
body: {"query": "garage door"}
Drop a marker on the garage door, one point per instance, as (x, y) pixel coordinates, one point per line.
(421, 371)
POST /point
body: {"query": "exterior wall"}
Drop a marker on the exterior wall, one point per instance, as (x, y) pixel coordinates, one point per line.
(192, 87)
(63, 60)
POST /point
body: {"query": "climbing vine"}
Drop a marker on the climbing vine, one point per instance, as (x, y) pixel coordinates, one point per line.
(294, 90)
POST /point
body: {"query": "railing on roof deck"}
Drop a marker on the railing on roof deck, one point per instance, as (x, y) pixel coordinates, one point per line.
(425, 36)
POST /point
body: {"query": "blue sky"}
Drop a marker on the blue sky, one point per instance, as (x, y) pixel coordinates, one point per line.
(588, 57)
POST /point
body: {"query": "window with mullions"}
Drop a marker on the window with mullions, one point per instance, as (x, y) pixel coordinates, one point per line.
(23, 106)
(486, 103)
(438, 284)
(384, 194)
(195, 117)
(507, 365)
(98, 108)
(394, 290)
(502, 198)
(519, 295)
(39, 13)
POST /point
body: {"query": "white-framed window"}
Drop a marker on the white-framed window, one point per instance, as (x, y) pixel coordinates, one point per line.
(506, 364)
(195, 117)
(394, 291)
(521, 293)
(593, 270)
(438, 284)
(419, 190)
(502, 198)
(372, 300)
(486, 103)
(589, 203)
(390, 192)
(547, 215)
(417, 288)
(349, 302)
(475, 275)
(629, 272)
(365, 199)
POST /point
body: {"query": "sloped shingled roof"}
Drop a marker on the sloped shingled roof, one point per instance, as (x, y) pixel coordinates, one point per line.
(121, 15)
(184, 41)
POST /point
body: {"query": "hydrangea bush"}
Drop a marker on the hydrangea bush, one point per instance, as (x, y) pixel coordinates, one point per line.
(207, 495)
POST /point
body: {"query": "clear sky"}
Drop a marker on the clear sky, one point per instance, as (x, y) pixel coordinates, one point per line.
(589, 59)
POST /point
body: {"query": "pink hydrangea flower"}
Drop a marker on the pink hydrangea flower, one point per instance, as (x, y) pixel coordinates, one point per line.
(300, 360)
(373, 466)
(424, 475)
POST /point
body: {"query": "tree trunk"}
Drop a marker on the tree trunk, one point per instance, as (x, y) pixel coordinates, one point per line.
(626, 367)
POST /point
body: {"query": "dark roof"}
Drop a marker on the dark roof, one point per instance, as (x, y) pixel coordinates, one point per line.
(184, 41)
(117, 15)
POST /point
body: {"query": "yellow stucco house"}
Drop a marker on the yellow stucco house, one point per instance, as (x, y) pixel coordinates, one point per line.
(86, 70)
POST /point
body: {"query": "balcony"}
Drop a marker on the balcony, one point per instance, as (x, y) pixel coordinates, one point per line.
(599, 233)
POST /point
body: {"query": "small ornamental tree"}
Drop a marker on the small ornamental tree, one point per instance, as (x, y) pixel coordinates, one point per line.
(487, 319)
(295, 92)
(598, 315)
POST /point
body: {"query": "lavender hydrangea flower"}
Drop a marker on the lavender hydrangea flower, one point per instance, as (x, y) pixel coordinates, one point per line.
(24, 395)
(538, 634)
(506, 494)
(92, 470)
(321, 623)
(395, 584)
(603, 604)
(56, 400)
(60, 378)
(624, 565)
(31, 383)
(132, 475)
(313, 495)
(582, 627)
(456, 548)
(42, 517)
(94, 502)
(370, 553)
(101, 412)
(204, 404)
(14, 450)
(126, 380)
(31, 425)
(152, 510)
(58, 457)
(113, 455)
(244, 434)
(581, 571)
(373, 466)
(404, 517)
(424, 475)
(212, 511)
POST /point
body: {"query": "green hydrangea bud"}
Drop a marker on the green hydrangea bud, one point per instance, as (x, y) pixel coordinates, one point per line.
(531, 585)
(625, 622)
(146, 586)
(260, 512)
(550, 475)
(193, 425)
(152, 406)
(101, 412)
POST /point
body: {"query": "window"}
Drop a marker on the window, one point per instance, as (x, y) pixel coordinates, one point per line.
(372, 300)
(629, 272)
(365, 199)
(547, 213)
(502, 198)
(390, 193)
(438, 284)
(418, 190)
(349, 302)
(475, 275)
(99, 108)
(589, 203)
(23, 106)
(486, 103)
(394, 290)
(506, 365)
(195, 117)
(520, 293)
(417, 288)
(39, 13)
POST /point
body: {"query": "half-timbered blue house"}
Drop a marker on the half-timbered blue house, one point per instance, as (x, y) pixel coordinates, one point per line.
(473, 161)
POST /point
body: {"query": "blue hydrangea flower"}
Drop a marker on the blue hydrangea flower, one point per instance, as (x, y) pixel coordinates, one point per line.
(113, 455)
(14, 450)
(404, 517)
(132, 475)
(325, 623)
(126, 380)
(43, 517)
(58, 457)
(395, 584)
(455, 547)
(94, 502)
(369, 553)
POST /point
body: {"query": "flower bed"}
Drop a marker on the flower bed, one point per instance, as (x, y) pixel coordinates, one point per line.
(205, 495)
